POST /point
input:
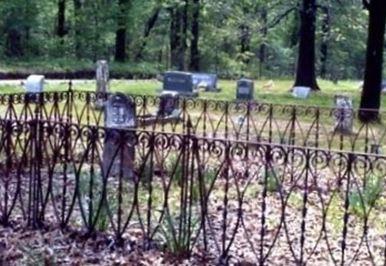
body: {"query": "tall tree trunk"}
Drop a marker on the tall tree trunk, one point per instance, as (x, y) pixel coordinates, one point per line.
(148, 27)
(305, 72)
(326, 31)
(61, 27)
(195, 29)
(77, 37)
(177, 29)
(245, 40)
(263, 46)
(371, 93)
(120, 35)
(14, 47)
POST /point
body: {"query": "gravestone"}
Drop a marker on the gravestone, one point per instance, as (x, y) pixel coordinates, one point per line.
(344, 115)
(34, 85)
(376, 149)
(245, 89)
(206, 81)
(120, 115)
(301, 92)
(181, 82)
(102, 75)
(169, 104)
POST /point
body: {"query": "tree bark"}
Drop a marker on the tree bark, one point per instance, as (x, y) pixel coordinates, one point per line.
(263, 46)
(245, 40)
(14, 46)
(61, 27)
(195, 29)
(177, 48)
(77, 17)
(305, 72)
(120, 35)
(326, 31)
(148, 27)
(371, 93)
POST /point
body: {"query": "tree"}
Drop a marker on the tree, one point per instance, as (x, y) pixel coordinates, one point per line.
(371, 93)
(77, 32)
(61, 28)
(326, 32)
(195, 29)
(178, 29)
(305, 72)
(120, 35)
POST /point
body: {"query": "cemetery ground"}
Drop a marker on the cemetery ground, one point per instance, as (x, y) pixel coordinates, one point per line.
(287, 195)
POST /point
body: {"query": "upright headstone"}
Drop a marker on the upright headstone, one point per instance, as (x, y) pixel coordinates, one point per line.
(120, 114)
(181, 82)
(206, 81)
(34, 85)
(384, 86)
(102, 76)
(301, 92)
(344, 114)
(169, 104)
(376, 149)
(245, 89)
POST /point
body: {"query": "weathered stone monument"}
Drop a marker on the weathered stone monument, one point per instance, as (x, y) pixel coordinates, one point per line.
(245, 89)
(33, 86)
(376, 149)
(344, 115)
(119, 151)
(181, 82)
(169, 104)
(102, 76)
(301, 92)
(206, 81)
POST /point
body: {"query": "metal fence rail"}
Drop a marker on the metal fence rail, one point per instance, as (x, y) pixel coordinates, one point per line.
(247, 121)
(236, 200)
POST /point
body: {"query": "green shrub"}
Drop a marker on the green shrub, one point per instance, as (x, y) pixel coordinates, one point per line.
(361, 201)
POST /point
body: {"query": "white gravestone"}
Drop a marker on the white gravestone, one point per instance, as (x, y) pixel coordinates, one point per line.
(344, 115)
(34, 84)
(102, 76)
(301, 92)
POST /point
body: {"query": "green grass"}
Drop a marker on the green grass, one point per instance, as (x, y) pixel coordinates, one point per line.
(279, 94)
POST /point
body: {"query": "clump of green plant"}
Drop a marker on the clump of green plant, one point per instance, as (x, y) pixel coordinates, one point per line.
(273, 183)
(102, 221)
(178, 242)
(361, 201)
(37, 256)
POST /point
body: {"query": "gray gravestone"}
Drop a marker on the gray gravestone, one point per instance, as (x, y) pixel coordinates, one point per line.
(384, 86)
(206, 81)
(245, 89)
(102, 76)
(169, 104)
(301, 92)
(181, 82)
(376, 149)
(344, 115)
(34, 85)
(120, 114)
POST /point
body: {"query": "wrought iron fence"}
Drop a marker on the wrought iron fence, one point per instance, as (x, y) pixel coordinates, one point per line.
(231, 199)
(247, 121)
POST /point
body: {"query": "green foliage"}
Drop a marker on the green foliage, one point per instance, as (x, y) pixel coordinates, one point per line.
(273, 183)
(177, 242)
(362, 200)
(91, 35)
